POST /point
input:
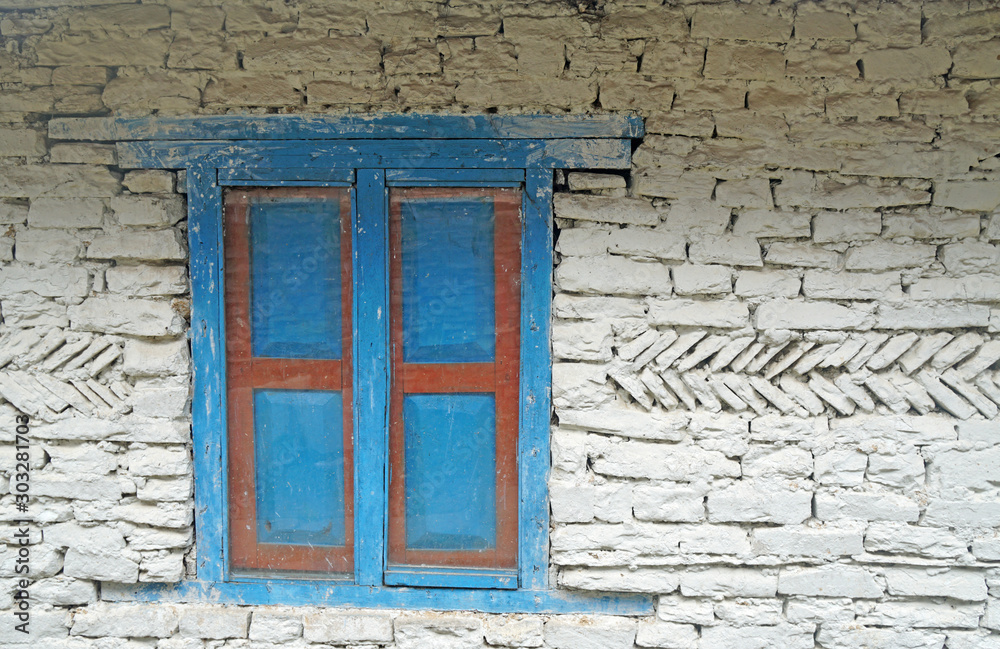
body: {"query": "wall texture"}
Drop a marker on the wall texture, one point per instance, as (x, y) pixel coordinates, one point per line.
(776, 339)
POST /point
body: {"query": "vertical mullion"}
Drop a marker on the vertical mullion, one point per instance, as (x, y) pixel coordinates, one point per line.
(533, 451)
(369, 248)
(208, 410)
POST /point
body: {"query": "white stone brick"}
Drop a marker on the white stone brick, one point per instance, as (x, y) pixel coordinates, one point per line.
(145, 281)
(13, 212)
(160, 245)
(824, 541)
(973, 288)
(909, 63)
(596, 308)
(614, 275)
(622, 580)
(971, 195)
(148, 210)
(275, 626)
(726, 250)
(922, 614)
(590, 633)
(962, 513)
(61, 181)
(698, 217)
(666, 635)
(866, 506)
(767, 283)
(832, 580)
(102, 566)
(882, 255)
(899, 538)
(786, 636)
(66, 213)
(670, 502)
(768, 461)
(987, 548)
(841, 466)
(852, 225)
(149, 181)
(747, 192)
(761, 501)
(605, 209)
(942, 316)
(970, 257)
(677, 609)
(968, 585)
(165, 489)
(83, 153)
(78, 487)
(902, 468)
(801, 254)
(514, 632)
(616, 419)
(934, 223)
(117, 315)
(820, 611)
(729, 582)
(159, 461)
(853, 637)
(727, 314)
(162, 566)
(647, 243)
(851, 286)
(47, 247)
(61, 281)
(571, 502)
(338, 627)
(634, 459)
(794, 314)
(771, 224)
(64, 591)
(142, 358)
(693, 279)
(580, 386)
(580, 181)
(214, 622)
(582, 341)
(750, 612)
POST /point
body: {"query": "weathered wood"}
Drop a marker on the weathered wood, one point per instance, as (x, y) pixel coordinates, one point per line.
(327, 127)
(421, 154)
(269, 591)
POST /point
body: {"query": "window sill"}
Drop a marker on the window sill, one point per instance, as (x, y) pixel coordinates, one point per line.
(312, 593)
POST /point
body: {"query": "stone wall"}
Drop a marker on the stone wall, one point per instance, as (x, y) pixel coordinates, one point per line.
(776, 338)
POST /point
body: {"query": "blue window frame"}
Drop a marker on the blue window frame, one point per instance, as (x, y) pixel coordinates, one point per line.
(369, 155)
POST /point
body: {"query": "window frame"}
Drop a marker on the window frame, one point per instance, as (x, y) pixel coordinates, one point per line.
(384, 150)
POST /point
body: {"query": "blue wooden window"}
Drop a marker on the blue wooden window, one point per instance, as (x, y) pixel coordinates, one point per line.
(294, 379)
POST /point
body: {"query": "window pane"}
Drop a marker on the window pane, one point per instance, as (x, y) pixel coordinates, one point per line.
(448, 279)
(299, 449)
(295, 277)
(450, 470)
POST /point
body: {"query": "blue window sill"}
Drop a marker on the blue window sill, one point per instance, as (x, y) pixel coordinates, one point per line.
(307, 593)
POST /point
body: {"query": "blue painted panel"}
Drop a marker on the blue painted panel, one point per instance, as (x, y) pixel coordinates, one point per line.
(208, 357)
(426, 154)
(450, 465)
(370, 247)
(299, 467)
(442, 177)
(536, 379)
(295, 278)
(443, 578)
(286, 176)
(328, 127)
(264, 591)
(448, 280)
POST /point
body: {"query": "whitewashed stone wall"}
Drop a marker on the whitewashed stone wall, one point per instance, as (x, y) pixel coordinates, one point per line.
(776, 339)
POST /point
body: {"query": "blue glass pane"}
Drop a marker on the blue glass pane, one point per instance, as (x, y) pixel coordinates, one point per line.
(295, 278)
(450, 471)
(299, 457)
(448, 280)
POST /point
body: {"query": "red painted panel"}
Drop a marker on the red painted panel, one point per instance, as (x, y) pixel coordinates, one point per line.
(245, 373)
(499, 377)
